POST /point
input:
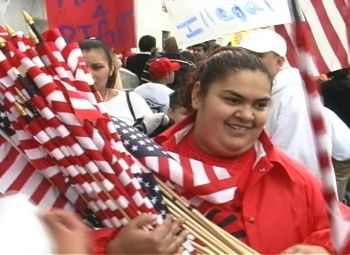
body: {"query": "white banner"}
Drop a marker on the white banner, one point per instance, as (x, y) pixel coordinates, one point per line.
(202, 20)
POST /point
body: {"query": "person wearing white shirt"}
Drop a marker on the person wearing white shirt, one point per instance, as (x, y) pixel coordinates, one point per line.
(289, 123)
(339, 143)
(99, 60)
(156, 93)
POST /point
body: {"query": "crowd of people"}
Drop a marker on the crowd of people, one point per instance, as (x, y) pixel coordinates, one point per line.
(239, 108)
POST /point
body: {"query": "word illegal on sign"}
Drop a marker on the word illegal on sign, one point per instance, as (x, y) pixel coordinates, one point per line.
(222, 15)
(211, 19)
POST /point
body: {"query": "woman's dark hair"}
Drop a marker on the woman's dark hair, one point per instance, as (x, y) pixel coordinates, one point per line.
(93, 43)
(221, 62)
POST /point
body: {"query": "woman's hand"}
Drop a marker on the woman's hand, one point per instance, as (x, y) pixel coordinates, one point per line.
(69, 232)
(162, 239)
(305, 249)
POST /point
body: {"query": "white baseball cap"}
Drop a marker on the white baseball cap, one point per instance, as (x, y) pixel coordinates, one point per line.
(263, 41)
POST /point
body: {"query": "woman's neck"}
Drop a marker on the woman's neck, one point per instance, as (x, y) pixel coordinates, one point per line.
(108, 93)
(104, 94)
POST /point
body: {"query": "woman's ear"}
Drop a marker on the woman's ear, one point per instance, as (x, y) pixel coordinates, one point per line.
(167, 76)
(196, 99)
(280, 61)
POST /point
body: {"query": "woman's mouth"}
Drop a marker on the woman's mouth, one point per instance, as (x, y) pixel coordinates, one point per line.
(239, 128)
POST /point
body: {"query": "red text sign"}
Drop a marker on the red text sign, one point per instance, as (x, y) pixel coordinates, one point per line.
(109, 20)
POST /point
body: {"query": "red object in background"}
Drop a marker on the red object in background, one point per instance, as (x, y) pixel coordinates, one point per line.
(126, 54)
(109, 20)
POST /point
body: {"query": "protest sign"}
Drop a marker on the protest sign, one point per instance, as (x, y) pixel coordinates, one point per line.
(198, 21)
(107, 20)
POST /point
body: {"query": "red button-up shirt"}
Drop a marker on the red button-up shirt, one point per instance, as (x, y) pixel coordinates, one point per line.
(282, 204)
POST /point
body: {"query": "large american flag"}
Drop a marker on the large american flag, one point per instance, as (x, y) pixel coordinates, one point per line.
(327, 23)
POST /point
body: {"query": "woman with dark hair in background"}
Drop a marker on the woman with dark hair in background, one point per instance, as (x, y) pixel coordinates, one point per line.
(127, 106)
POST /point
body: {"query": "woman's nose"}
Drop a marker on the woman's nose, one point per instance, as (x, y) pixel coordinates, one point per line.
(245, 113)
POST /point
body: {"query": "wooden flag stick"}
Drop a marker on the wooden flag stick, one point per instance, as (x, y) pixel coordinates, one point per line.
(199, 232)
(201, 249)
(231, 241)
(225, 237)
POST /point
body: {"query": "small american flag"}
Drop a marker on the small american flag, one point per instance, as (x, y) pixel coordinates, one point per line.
(196, 181)
(18, 174)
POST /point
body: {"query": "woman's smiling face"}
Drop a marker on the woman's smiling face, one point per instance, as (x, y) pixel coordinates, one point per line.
(232, 113)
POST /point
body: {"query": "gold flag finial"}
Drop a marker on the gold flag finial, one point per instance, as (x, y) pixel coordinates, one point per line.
(21, 96)
(30, 22)
(10, 31)
(33, 36)
(20, 109)
(2, 42)
(28, 18)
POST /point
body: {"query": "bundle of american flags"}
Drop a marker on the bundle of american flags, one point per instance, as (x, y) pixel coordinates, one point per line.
(61, 149)
(62, 132)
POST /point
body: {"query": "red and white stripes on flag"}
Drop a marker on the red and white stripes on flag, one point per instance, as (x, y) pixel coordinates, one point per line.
(101, 174)
(196, 181)
(43, 136)
(340, 227)
(82, 83)
(18, 174)
(327, 24)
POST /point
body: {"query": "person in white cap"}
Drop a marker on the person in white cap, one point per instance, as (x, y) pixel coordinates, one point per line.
(289, 123)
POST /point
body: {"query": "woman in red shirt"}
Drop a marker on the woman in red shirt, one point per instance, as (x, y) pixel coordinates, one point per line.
(277, 207)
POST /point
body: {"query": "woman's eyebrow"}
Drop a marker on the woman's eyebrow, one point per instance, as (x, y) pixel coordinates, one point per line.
(264, 99)
(233, 93)
(96, 64)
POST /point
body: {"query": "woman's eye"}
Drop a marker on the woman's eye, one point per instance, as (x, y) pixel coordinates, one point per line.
(96, 67)
(231, 100)
(261, 106)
